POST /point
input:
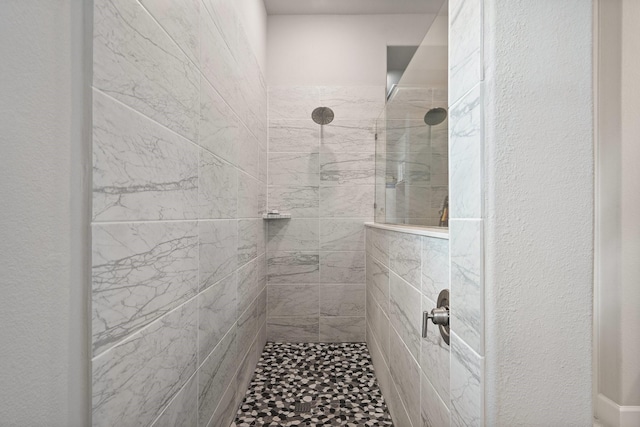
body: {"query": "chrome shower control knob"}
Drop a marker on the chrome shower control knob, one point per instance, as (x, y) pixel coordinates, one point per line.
(439, 316)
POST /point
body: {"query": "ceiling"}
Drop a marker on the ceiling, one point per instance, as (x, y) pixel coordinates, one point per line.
(351, 7)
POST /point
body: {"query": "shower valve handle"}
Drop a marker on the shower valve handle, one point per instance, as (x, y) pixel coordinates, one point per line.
(439, 316)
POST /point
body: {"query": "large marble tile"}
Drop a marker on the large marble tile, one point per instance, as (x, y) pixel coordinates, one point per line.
(251, 239)
(396, 407)
(378, 282)
(183, 409)
(354, 102)
(216, 314)
(225, 17)
(141, 170)
(293, 102)
(214, 376)
(342, 300)
(248, 149)
(247, 329)
(467, 385)
(406, 375)
(140, 271)
(379, 364)
(405, 252)
(342, 267)
(347, 201)
(180, 21)
(262, 308)
(342, 329)
(378, 244)
(293, 235)
(467, 286)
(293, 329)
(300, 202)
(226, 410)
(263, 163)
(293, 267)
(251, 196)
(301, 169)
(466, 156)
(434, 411)
(379, 325)
(245, 372)
(293, 300)
(249, 285)
(465, 47)
(342, 234)
(294, 136)
(218, 250)
(434, 356)
(405, 313)
(126, 387)
(137, 63)
(217, 64)
(219, 127)
(347, 168)
(348, 136)
(218, 188)
(435, 266)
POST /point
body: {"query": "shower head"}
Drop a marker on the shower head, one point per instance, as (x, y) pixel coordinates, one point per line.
(322, 115)
(435, 116)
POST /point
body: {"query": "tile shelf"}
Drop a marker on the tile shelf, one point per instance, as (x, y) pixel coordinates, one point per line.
(276, 216)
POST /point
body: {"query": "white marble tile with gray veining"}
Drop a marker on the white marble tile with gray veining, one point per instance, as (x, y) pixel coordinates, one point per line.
(217, 63)
(251, 197)
(218, 189)
(180, 21)
(465, 42)
(141, 170)
(263, 164)
(293, 267)
(405, 313)
(248, 284)
(294, 136)
(467, 301)
(262, 308)
(293, 102)
(226, 410)
(126, 387)
(406, 257)
(347, 168)
(219, 127)
(435, 266)
(293, 329)
(225, 18)
(379, 324)
(245, 372)
(342, 234)
(140, 271)
(466, 157)
(434, 411)
(342, 300)
(342, 329)
(216, 314)
(251, 239)
(378, 282)
(247, 329)
(301, 169)
(137, 63)
(378, 244)
(218, 250)
(215, 374)
(292, 300)
(342, 267)
(348, 136)
(183, 409)
(467, 385)
(347, 201)
(293, 235)
(353, 102)
(300, 202)
(248, 157)
(406, 375)
(434, 356)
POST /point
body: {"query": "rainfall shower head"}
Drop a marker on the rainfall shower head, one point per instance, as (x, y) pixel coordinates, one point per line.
(435, 116)
(322, 115)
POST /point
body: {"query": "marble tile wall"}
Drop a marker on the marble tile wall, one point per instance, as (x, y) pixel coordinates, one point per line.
(179, 264)
(323, 176)
(405, 273)
(466, 225)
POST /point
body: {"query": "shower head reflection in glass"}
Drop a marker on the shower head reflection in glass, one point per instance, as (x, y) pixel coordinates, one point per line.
(435, 116)
(322, 115)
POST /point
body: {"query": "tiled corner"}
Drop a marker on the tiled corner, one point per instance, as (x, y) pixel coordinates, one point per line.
(467, 385)
(465, 47)
(435, 266)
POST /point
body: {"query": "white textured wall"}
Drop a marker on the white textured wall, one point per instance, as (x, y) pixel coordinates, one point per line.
(337, 49)
(539, 209)
(44, 245)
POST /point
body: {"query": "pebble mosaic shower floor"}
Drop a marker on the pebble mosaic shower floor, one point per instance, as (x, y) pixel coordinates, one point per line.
(311, 384)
